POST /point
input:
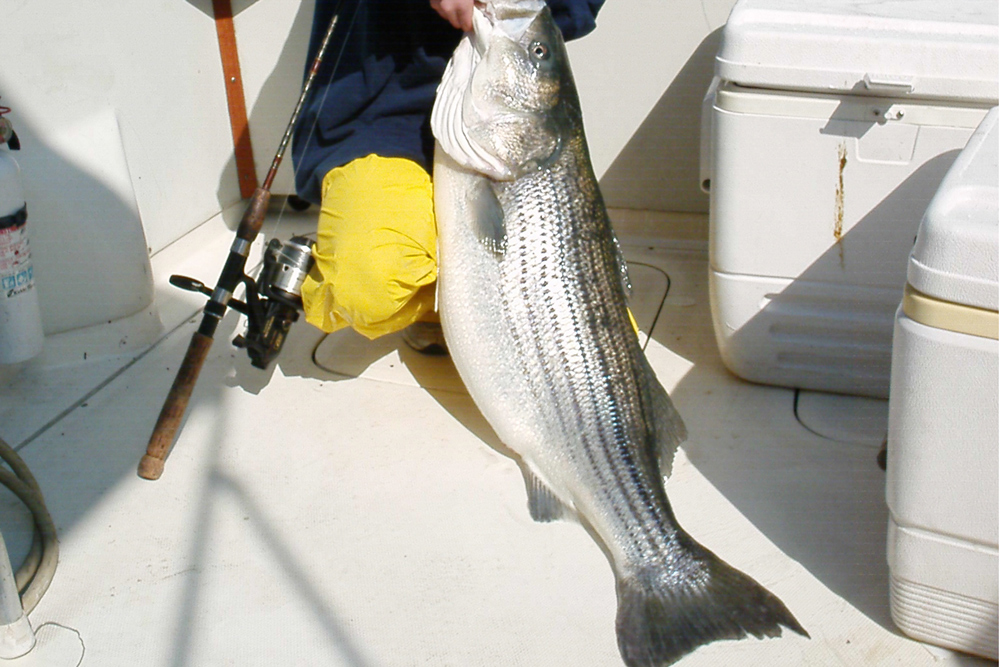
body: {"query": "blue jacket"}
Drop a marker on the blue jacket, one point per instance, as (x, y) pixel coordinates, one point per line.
(380, 99)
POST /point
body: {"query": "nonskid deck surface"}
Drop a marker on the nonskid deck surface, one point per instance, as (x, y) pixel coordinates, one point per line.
(352, 507)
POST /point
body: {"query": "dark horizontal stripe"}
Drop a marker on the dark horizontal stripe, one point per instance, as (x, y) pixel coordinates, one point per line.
(560, 239)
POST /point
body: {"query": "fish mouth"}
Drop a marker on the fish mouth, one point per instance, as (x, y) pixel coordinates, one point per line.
(460, 122)
(509, 18)
(482, 27)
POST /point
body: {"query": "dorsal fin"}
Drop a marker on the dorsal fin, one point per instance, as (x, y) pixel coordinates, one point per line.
(662, 419)
(622, 265)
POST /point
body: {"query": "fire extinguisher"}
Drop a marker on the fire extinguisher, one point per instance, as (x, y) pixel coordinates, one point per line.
(21, 336)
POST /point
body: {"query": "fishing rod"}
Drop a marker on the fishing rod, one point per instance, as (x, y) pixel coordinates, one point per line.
(272, 302)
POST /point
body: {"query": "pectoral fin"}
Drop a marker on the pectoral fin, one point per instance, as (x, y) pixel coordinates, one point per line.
(488, 219)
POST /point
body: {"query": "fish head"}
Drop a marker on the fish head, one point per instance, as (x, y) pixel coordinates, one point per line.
(501, 108)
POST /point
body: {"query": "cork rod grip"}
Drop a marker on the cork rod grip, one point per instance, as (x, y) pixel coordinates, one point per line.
(151, 465)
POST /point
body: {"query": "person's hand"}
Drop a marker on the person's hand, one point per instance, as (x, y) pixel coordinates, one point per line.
(456, 12)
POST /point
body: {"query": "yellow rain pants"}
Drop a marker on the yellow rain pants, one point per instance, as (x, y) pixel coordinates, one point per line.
(376, 248)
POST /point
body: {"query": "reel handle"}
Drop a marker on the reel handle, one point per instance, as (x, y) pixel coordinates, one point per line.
(190, 284)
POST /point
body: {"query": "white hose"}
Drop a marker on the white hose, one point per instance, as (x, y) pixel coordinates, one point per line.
(35, 574)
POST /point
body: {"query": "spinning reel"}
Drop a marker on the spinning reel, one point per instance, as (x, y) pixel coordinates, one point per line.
(273, 301)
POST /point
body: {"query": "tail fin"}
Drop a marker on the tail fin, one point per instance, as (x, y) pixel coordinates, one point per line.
(663, 616)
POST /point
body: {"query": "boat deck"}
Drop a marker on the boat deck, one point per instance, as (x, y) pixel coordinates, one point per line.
(351, 507)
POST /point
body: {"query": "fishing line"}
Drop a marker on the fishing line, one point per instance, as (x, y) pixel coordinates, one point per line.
(322, 102)
(311, 133)
(334, 16)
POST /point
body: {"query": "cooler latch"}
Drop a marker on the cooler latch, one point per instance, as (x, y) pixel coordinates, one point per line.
(889, 83)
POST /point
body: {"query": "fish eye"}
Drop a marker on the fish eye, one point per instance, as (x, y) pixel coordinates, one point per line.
(539, 51)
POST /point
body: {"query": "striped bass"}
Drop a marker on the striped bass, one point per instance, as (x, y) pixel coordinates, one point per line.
(532, 293)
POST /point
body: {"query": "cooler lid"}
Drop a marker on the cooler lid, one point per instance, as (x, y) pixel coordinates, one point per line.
(918, 48)
(955, 257)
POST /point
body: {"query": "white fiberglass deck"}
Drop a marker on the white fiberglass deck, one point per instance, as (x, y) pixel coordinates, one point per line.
(350, 507)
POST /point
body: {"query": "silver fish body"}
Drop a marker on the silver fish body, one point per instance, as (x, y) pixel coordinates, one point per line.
(534, 308)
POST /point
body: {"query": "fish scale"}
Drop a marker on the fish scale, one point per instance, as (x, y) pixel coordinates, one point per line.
(539, 264)
(565, 242)
(532, 296)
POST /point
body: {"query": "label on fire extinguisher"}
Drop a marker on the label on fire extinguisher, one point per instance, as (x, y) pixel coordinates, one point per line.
(16, 273)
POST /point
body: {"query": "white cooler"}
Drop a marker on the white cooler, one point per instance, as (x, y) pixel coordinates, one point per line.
(831, 126)
(942, 464)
